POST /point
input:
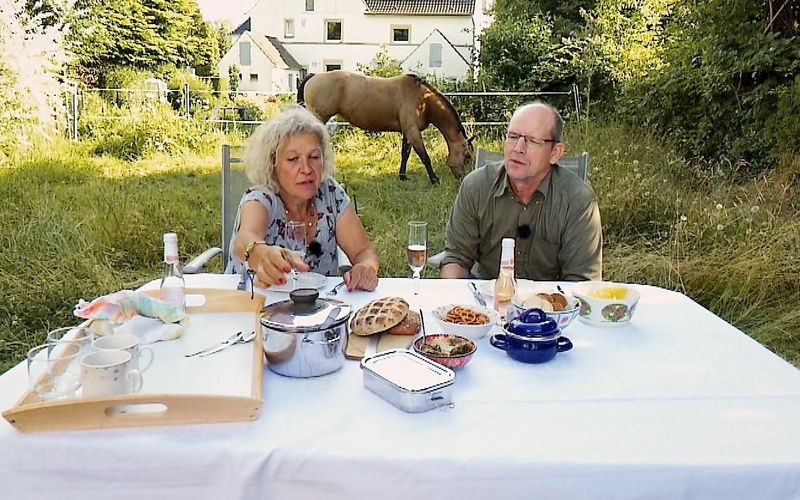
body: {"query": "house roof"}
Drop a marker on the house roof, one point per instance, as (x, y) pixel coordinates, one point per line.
(421, 7)
(274, 50)
(435, 31)
(245, 26)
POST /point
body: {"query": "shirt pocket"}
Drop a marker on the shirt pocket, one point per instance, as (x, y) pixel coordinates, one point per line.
(542, 262)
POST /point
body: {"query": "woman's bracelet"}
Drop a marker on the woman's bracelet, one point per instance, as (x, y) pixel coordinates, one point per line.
(249, 248)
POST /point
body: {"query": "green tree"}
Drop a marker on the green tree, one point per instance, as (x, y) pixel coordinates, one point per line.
(727, 71)
(382, 65)
(143, 34)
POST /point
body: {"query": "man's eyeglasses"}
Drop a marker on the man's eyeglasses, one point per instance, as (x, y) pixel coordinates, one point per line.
(529, 141)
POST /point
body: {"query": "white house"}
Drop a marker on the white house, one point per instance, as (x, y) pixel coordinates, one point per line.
(282, 41)
(264, 64)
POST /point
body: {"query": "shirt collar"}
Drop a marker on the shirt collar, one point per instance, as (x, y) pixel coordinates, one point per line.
(501, 185)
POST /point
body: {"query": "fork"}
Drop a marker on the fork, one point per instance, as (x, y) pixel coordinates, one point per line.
(333, 291)
(230, 340)
(241, 339)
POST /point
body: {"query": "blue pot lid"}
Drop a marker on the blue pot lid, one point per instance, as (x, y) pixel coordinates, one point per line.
(534, 324)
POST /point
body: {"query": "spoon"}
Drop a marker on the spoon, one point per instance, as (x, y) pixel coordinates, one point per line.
(422, 323)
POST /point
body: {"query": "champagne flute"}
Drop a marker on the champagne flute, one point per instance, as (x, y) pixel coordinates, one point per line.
(296, 242)
(417, 250)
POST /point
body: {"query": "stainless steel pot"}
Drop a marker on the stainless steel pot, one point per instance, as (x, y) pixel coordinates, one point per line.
(305, 336)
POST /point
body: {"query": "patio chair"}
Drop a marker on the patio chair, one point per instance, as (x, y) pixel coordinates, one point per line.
(234, 184)
(579, 165)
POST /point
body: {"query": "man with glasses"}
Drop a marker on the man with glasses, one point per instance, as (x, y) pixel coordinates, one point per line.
(551, 212)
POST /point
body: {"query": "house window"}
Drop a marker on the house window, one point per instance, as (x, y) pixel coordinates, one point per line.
(253, 77)
(333, 31)
(288, 28)
(309, 5)
(332, 65)
(244, 53)
(401, 34)
(435, 59)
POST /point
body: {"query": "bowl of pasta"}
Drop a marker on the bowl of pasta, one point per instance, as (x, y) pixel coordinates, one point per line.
(452, 351)
(467, 320)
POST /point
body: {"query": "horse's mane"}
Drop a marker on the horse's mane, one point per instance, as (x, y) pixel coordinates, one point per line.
(420, 81)
(301, 90)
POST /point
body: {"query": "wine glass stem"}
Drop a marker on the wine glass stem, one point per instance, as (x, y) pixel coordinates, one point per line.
(415, 283)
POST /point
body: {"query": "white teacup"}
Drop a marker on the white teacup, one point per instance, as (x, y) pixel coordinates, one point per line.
(106, 373)
(128, 343)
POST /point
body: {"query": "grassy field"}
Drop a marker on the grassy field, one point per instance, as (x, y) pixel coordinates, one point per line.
(78, 224)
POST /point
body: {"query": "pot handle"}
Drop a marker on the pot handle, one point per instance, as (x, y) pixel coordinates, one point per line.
(499, 340)
(564, 344)
(329, 341)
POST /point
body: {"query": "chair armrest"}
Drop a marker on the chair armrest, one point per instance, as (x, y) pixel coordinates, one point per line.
(436, 260)
(200, 263)
(343, 261)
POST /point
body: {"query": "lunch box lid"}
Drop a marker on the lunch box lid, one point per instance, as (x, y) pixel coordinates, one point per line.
(304, 312)
(408, 371)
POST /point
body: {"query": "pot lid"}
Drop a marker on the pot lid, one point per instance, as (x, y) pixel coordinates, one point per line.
(534, 324)
(305, 311)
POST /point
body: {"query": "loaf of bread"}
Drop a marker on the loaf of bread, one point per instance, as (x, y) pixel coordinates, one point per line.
(378, 315)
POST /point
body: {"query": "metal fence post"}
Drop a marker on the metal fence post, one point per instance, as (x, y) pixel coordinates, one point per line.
(186, 95)
(74, 112)
(576, 92)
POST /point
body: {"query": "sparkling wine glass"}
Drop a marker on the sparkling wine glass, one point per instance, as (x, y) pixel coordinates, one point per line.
(417, 250)
(296, 242)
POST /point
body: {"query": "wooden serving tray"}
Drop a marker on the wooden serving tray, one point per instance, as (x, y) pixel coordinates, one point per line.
(142, 409)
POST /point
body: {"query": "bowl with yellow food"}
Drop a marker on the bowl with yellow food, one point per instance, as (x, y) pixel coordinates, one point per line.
(603, 303)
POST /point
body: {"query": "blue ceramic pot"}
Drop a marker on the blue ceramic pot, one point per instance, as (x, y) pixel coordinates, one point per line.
(532, 338)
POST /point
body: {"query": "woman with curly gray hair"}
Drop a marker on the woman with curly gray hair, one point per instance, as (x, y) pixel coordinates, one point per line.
(290, 162)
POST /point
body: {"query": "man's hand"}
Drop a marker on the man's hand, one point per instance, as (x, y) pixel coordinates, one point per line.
(453, 270)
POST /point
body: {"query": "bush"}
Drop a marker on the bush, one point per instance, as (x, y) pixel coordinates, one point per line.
(140, 136)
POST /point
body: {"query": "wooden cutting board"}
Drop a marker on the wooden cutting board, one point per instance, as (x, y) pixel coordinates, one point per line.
(357, 344)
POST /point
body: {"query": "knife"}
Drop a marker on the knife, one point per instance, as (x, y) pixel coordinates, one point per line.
(476, 293)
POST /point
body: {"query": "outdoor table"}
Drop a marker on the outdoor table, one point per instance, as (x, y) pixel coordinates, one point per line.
(678, 404)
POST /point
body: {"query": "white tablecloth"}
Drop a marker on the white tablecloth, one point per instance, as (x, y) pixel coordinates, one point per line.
(679, 404)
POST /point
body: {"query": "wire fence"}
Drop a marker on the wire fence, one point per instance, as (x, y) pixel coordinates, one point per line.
(223, 108)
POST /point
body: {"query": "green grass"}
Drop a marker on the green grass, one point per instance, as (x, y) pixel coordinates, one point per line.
(77, 225)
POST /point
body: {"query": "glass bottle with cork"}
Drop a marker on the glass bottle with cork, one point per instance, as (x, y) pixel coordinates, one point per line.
(173, 286)
(505, 286)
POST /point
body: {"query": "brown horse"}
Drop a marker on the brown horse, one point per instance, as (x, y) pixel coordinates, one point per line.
(405, 104)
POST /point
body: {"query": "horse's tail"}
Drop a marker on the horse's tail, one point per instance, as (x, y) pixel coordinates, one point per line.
(301, 97)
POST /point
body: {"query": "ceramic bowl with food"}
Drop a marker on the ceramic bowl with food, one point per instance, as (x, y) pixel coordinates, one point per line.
(604, 303)
(468, 320)
(559, 306)
(452, 351)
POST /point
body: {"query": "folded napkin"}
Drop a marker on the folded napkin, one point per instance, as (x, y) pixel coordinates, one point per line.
(139, 314)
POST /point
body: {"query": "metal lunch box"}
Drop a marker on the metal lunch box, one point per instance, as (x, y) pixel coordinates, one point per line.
(408, 380)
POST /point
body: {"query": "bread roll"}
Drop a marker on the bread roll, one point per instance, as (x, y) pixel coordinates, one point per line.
(409, 325)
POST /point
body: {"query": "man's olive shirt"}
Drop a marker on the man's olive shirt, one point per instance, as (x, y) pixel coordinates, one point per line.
(565, 242)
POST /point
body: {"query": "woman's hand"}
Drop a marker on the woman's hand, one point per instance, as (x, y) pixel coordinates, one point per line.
(362, 276)
(271, 263)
